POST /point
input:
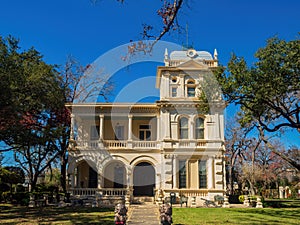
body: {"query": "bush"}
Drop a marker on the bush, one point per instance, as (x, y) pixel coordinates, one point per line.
(6, 196)
(21, 198)
(242, 198)
(234, 199)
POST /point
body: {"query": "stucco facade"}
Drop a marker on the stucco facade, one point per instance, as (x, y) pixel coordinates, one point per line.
(153, 149)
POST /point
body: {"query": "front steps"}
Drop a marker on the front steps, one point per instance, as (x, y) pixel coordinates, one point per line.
(142, 200)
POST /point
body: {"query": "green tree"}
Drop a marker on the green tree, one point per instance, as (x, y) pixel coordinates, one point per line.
(268, 93)
(30, 107)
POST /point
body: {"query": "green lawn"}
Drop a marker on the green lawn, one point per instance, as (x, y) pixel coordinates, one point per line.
(181, 216)
(197, 216)
(48, 215)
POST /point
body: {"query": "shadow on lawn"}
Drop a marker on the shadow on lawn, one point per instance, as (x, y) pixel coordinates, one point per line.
(274, 213)
(48, 215)
(269, 216)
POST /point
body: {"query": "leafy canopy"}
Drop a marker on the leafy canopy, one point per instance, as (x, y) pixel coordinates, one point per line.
(268, 92)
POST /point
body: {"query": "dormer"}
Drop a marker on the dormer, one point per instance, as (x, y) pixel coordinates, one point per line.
(181, 77)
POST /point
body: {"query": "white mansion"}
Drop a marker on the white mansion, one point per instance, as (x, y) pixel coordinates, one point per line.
(127, 150)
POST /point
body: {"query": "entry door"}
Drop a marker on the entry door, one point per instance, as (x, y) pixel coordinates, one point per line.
(143, 179)
(93, 178)
(145, 133)
(119, 177)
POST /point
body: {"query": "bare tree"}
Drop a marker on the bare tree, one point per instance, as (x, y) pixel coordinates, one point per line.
(80, 83)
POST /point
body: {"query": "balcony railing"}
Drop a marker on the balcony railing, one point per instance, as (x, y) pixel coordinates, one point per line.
(115, 144)
(144, 144)
(101, 192)
(201, 143)
(83, 191)
(125, 144)
(187, 192)
(190, 144)
(118, 144)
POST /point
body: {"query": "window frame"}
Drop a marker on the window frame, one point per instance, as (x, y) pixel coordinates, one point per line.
(145, 130)
(202, 177)
(199, 129)
(181, 129)
(182, 174)
(119, 128)
(190, 88)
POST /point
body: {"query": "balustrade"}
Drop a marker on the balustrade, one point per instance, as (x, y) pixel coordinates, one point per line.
(83, 191)
(102, 191)
(115, 144)
(122, 144)
(144, 144)
(187, 192)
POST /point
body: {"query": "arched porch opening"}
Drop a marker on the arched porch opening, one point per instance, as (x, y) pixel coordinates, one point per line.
(86, 176)
(115, 175)
(143, 179)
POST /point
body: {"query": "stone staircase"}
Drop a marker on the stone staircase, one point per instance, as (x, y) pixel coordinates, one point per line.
(142, 200)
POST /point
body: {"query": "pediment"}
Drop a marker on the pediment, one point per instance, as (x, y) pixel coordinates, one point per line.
(192, 65)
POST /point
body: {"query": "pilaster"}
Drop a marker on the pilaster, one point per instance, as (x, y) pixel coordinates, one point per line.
(72, 126)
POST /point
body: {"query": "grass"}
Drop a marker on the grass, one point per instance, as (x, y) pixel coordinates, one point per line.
(197, 216)
(10, 214)
(52, 215)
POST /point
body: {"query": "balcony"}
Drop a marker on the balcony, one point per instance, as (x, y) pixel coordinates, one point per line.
(117, 144)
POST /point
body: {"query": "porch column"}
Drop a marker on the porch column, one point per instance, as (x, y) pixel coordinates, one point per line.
(99, 180)
(130, 127)
(175, 183)
(75, 175)
(210, 173)
(72, 126)
(101, 117)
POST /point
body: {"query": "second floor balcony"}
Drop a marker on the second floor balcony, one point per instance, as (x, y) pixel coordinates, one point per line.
(140, 145)
(118, 144)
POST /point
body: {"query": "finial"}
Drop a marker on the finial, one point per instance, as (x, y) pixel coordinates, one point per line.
(215, 54)
(166, 54)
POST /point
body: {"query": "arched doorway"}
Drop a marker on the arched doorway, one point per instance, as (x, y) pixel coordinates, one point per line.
(115, 175)
(86, 176)
(143, 179)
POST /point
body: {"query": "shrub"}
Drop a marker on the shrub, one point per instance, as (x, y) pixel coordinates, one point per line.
(242, 198)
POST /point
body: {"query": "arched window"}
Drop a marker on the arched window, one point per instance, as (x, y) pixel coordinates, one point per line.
(191, 88)
(199, 128)
(183, 128)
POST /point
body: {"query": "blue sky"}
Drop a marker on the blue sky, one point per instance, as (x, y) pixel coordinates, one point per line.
(58, 28)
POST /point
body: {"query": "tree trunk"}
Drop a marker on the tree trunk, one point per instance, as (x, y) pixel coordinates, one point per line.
(63, 174)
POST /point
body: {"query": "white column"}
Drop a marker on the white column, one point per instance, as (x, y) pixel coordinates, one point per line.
(175, 172)
(75, 177)
(210, 173)
(72, 126)
(99, 181)
(166, 77)
(130, 127)
(217, 126)
(191, 130)
(167, 117)
(181, 87)
(158, 128)
(101, 125)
